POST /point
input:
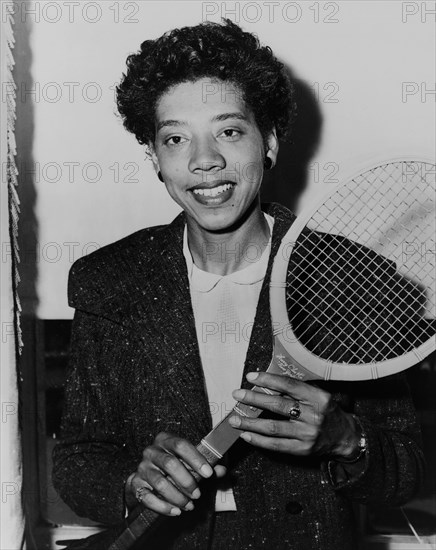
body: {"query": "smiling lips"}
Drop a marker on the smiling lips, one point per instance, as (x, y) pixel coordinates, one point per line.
(213, 194)
(214, 191)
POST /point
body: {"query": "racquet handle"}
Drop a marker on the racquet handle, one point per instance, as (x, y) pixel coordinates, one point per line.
(217, 442)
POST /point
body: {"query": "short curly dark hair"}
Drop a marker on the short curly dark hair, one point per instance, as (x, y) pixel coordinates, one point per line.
(219, 51)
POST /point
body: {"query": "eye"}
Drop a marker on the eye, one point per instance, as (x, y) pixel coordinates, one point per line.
(231, 133)
(174, 140)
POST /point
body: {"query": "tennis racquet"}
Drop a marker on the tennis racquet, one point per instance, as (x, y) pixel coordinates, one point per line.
(352, 294)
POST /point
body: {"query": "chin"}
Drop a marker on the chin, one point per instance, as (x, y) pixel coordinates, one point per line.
(217, 222)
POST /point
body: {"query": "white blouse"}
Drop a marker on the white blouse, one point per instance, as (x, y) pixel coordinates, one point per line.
(224, 310)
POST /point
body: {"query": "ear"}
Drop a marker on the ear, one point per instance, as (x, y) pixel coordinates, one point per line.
(153, 156)
(272, 146)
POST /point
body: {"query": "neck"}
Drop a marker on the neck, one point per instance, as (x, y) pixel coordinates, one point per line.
(225, 252)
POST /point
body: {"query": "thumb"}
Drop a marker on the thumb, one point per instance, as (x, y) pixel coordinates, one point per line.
(220, 470)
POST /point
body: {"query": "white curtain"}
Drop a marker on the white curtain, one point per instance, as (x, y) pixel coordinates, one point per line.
(12, 520)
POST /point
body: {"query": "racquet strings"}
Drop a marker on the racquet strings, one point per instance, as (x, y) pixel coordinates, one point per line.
(361, 276)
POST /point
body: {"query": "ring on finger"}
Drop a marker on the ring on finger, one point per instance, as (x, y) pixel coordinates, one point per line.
(140, 491)
(294, 412)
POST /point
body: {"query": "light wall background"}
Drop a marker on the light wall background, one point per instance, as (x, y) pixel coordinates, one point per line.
(370, 63)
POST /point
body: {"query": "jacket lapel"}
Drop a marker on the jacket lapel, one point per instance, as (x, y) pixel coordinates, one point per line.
(170, 313)
(260, 348)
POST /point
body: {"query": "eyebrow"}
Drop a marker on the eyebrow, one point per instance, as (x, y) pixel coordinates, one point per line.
(226, 116)
(219, 118)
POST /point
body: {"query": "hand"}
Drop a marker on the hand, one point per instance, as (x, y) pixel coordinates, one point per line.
(165, 473)
(322, 428)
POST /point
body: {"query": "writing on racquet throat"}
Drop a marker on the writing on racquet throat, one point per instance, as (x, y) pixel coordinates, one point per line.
(287, 367)
(283, 363)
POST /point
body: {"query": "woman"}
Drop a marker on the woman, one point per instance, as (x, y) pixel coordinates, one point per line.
(171, 319)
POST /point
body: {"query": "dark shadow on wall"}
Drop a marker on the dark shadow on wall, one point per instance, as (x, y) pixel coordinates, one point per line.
(287, 180)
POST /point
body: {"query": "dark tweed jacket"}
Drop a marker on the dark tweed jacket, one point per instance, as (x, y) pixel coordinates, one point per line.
(135, 370)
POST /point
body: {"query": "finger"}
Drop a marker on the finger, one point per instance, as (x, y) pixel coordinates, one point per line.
(141, 484)
(272, 428)
(274, 403)
(143, 493)
(153, 502)
(276, 428)
(169, 488)
(301, 391)
(185, 451)
(220, 470)
(282, 445)
(177, 458)
(179, 474)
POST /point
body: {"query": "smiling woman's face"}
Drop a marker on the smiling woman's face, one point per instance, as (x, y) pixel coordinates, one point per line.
(210, 152)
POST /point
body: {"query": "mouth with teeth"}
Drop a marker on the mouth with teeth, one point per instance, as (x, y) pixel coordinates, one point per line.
(213, 195)
(214, 191)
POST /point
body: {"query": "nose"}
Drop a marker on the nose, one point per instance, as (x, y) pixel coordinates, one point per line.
(206, 157)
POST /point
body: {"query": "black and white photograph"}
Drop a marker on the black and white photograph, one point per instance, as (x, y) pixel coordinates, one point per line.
(218, 264)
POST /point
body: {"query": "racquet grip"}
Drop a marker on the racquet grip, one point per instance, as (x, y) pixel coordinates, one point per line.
(141, 520)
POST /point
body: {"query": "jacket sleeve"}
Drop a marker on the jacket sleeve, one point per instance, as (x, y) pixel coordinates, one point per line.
(92, 461)
(392, 469)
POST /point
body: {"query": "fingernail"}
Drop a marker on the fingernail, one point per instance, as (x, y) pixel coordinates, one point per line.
(252, 376)
(189, 507)
(235, 421)
(175, 511)
(238, 394)
(246, 437)
(206, 470)
(196, 494)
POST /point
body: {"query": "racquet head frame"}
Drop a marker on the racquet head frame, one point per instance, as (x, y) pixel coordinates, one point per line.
(283, 329)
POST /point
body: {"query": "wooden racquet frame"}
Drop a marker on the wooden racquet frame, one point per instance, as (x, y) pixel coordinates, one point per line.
(286, 340)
